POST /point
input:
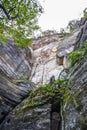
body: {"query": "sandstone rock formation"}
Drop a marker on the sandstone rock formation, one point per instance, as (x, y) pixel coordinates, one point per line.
(14, 71)
(75, 117)
(51, 58)
(22, 110)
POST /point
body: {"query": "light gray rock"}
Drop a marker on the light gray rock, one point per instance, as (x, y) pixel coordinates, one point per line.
(45, 64)
(13, 62)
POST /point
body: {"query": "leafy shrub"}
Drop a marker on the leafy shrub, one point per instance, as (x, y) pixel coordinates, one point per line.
(75, 56)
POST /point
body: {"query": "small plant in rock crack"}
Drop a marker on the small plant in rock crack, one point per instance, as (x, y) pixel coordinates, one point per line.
(77, 56)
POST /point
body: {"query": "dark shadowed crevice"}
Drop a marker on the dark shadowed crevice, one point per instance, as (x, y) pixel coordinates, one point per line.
(55, 115)
(8, 121)
(60, 60)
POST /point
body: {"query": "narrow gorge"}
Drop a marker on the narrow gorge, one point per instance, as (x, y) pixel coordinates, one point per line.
(45, 87)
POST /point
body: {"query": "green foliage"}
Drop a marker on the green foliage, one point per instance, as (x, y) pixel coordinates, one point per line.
(50, 90)
(85, 12)
(18, 20)
(65, 94)
(46, 91)
(77, 56)
(44, 94)
(74, 57)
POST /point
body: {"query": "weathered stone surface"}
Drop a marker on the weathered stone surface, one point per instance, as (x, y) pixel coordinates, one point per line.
(31, 115)
(12, 92)
(65, 47)
(13, 62)
(82, 37)
(45, 65)
(37, 118)
(46, 62)
(82, 21)
(75, 116)
(15, 70)
(75, 109)
(45, 40)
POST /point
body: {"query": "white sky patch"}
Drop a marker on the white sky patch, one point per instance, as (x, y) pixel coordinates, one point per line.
(57, 13)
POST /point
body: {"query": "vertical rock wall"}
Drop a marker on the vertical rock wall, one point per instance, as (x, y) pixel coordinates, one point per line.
(75, 109)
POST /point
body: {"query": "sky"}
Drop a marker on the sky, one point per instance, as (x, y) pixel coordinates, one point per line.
(57, 13)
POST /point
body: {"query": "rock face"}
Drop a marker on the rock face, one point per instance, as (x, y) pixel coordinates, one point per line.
(65, 47)
(32, 119)
(45, 40)
(13, 62)
(14, 71)
(75, 117)
(36, 112)
(18, 109)
(46, 62)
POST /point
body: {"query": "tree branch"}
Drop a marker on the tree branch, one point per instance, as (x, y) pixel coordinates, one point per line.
(11, 9)
(14, 17)
(7, 12)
